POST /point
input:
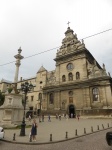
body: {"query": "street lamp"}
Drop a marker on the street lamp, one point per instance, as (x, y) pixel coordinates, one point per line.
(40, 98)
(25, 87)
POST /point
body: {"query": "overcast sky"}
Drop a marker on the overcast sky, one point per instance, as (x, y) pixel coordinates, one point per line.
(39, 25)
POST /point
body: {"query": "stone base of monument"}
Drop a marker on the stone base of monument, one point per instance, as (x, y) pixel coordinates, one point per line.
(11, 112)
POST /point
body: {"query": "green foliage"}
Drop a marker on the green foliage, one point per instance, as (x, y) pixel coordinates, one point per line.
(10, 90)
(2, 98)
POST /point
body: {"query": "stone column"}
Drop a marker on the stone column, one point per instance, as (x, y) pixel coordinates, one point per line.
(18, 58)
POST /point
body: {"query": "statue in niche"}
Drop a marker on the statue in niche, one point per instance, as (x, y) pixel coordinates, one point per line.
(109, 74)
(82, 41)
(77, 75)
(95, 62)
(52, 78)
(89, 71)
(104, 67)
(63, 105)
(75, 35)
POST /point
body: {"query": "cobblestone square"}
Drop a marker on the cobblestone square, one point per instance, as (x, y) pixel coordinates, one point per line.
(95, 141)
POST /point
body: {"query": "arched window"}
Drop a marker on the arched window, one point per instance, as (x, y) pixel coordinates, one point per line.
(51, 98)
(77, 75)
(40, 96)
(70, 76)
(63, 78)
(95, 93)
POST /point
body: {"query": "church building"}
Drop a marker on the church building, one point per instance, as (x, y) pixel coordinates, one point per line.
(78, 85)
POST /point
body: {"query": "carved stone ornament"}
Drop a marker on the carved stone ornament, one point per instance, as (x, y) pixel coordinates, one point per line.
(75, 47)
(63, 52)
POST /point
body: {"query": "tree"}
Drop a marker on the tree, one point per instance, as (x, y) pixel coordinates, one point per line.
(2, 98)
(10, 89)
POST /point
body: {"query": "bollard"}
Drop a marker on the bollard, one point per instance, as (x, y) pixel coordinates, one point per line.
(108, 125)
(98, 127)
(102, 126)
(76, 132)
(84, 130)
(66, 135)
(91, 129)
(30, 139)
(14, 137)
(50, 137)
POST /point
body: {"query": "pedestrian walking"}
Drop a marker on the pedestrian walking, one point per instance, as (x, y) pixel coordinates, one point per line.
(64, 115)
(34, 130)
(78, 117)
(29, 118)
(49, 118)
(56, 116)
(67, 117)
(39, 117)
(71, 115)
(59, 117)
(42, 117)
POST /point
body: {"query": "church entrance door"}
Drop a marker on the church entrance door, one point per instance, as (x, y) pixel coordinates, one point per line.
(72, 111)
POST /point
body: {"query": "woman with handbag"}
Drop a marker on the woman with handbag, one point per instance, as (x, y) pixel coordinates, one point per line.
(34, 130)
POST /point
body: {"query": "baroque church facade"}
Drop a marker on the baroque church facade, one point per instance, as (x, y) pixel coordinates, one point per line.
(78, 85)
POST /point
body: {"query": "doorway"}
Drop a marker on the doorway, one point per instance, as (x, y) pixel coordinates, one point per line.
(72, 111)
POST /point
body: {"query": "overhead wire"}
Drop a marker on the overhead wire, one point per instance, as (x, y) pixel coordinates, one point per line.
(30, 56)
(57, 47)
(97, 33)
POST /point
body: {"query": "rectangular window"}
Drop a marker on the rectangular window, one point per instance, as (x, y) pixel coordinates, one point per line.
(32, 97)
(70, 99)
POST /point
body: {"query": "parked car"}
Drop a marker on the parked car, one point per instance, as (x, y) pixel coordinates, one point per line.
(1, 133)
(109, 138)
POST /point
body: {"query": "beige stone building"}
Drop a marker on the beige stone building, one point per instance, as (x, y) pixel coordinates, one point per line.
(78, 85)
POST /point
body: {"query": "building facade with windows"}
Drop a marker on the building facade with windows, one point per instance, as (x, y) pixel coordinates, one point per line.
(78, 85)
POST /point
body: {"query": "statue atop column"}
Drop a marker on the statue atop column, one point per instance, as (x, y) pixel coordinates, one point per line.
(18, 58)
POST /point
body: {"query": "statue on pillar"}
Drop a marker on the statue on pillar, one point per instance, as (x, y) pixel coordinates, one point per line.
(18, 58)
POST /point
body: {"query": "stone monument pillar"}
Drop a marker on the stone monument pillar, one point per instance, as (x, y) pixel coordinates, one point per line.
(11, 112)
(18, 58)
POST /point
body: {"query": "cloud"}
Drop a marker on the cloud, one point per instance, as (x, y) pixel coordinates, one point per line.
(37, 26)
